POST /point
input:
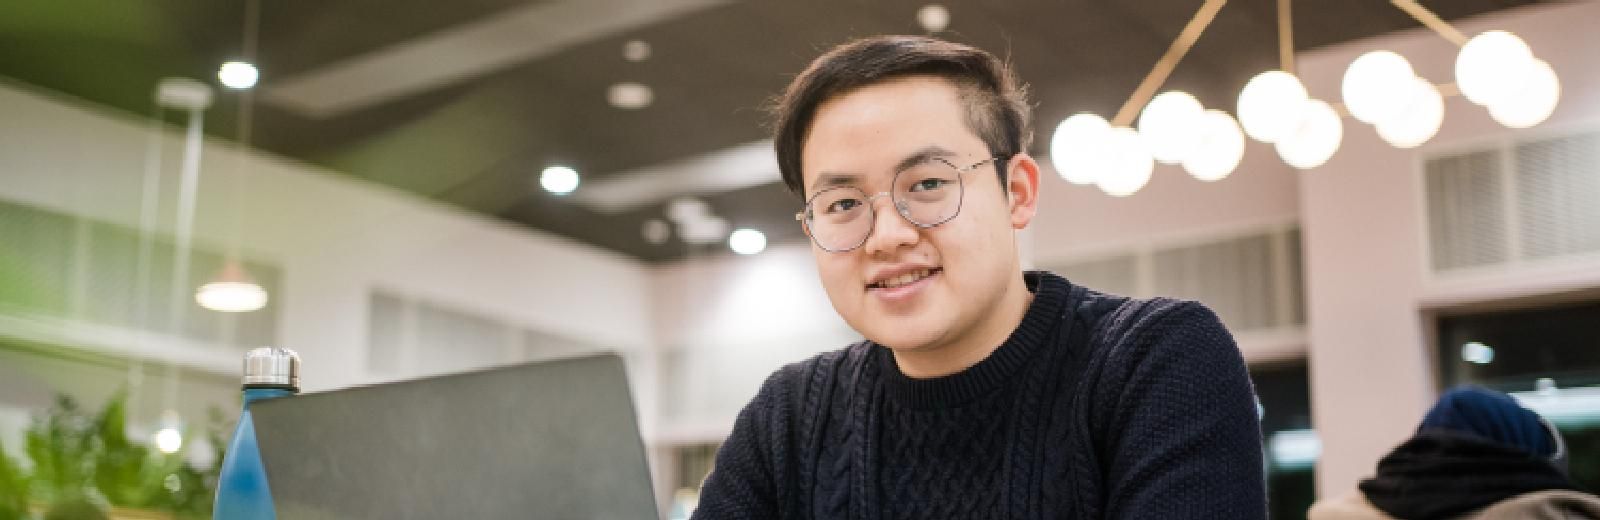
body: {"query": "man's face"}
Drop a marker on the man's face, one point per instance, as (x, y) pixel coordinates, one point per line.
(959, 269)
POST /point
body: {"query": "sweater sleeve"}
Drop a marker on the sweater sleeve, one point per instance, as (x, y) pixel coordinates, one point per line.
(1184, 439)
(743, 482)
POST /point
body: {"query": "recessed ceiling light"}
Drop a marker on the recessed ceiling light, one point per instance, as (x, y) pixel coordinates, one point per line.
(656, 231)
(706, 229)
(238, 75)
(559, 180)
(933, 18)
(747, 241)
(630, 96)
(636, 51)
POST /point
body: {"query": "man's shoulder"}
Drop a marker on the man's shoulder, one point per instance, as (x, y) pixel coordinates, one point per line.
(1121, 326)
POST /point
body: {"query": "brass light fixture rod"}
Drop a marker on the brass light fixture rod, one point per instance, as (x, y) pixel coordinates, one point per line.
(1168, 61)
(1432, 21)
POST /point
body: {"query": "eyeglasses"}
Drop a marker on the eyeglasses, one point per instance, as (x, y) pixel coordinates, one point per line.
(840, 218)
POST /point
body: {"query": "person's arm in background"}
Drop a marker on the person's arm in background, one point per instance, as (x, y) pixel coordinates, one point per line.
(1184, 437)
(743, 482)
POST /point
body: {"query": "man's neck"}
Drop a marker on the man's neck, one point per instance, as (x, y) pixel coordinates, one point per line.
(961, 353)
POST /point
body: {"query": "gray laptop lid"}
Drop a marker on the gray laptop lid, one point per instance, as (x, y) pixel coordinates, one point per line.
(543, 440)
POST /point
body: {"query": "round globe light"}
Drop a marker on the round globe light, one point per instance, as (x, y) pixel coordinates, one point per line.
(1315, 138)
(1533, 102)
(1221, 147)
(1418, 120)
(1170, 126)
(1270, 104)
(1373, 85)
(1128, 163)
(1491, 66)
(1078, 147)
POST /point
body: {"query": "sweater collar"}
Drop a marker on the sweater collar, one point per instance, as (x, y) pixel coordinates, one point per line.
(1043, 316)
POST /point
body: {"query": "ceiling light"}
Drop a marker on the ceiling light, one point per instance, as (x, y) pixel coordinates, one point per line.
(1533, 101)
(1128, 163)
(703, 230)
(1270, 104)
(559, 180)
(168, 440)
(685, 209)
(1219, 149)
(1477, 353)
(238, 75)
(232, 291)
(1077, 148)
(1418, 119)
(1375, 84)
(636, 51)
(630, 96)
(1491, 65)
(183, 94)
(933, 18)
(1169, 125)
(747, 241)
(656, 231)
(1315, 137)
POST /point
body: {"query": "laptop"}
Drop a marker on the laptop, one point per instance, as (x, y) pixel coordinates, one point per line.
(556, 439)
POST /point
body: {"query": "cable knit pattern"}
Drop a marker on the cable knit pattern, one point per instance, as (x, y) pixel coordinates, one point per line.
(1096, 407)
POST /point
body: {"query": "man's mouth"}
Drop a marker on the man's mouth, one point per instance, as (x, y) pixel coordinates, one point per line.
(905, 278)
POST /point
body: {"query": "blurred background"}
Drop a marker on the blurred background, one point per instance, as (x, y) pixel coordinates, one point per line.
(401, 188)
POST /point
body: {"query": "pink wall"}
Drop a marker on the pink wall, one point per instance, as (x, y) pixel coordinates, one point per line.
(1074, 221)
(1371, 368)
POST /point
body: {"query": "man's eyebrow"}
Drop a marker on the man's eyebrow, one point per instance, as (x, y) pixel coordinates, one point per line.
(831, 179)
(921, 156)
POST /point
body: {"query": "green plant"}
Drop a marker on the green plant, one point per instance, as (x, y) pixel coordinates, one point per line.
(61, 445)
(84, 463)
(13, 488)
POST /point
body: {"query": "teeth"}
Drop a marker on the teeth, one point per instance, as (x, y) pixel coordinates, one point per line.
(905, 279)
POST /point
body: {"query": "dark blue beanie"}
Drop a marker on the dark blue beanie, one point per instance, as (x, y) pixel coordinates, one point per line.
(1491, 415)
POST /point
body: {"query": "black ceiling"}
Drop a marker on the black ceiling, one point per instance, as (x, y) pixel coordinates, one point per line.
(480, 143)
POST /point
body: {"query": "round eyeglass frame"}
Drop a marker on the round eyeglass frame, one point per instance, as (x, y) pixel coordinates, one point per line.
(805, 216)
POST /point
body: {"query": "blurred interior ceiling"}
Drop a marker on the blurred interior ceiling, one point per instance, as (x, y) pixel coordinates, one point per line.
(465, 102)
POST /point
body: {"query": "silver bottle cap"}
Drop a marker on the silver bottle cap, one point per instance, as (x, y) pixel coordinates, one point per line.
(272, 366)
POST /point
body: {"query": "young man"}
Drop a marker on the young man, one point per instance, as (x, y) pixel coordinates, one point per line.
(980, 390)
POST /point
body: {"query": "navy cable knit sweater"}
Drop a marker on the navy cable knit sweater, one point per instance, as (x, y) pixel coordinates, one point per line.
(1096, 407)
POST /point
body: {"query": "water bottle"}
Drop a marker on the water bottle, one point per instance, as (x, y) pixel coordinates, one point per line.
(242, 490)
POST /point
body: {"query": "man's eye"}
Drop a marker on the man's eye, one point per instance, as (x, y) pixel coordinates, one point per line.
(843, 205)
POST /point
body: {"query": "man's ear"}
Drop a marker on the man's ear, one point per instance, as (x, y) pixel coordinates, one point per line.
(1022, 189)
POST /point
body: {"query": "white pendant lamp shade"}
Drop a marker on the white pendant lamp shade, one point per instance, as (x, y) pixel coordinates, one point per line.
(232, 291)
(1128, 163)
(1417, 119)
(1373, 85)
(1316, 136)
(1169, 125)
(1078, 148)
(1269, 105)
(1533, 101)
(1491, 65)
(1221, 147)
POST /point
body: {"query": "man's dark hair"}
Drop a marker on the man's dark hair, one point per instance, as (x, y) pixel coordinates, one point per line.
(996, 103)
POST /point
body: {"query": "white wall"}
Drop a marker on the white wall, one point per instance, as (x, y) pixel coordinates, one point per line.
(335, 239)
(726, 322)
(1371, 367)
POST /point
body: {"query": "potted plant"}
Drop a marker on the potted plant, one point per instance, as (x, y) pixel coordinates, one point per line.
(86, 467)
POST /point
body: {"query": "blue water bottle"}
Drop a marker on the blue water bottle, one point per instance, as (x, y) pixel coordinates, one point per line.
(242, 490)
